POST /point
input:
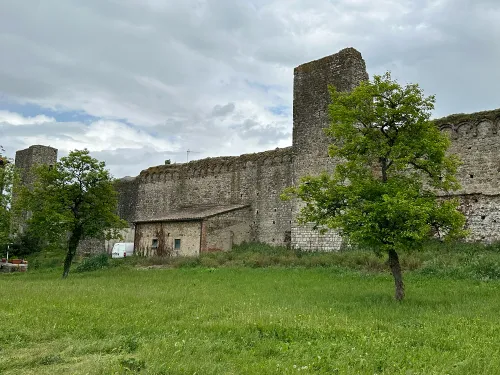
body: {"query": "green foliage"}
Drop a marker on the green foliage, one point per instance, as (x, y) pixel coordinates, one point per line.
(8, 177)
(391, 163)
(27, 243)
(71, 201)
(93, 263)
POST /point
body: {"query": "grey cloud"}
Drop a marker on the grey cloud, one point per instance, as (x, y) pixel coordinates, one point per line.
(223, 110)
(265, 134)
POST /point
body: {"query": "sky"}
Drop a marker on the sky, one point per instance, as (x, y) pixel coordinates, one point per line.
(140, 81)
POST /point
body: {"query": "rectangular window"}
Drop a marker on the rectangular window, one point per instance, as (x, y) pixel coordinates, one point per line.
(177, 244)
(154, 243)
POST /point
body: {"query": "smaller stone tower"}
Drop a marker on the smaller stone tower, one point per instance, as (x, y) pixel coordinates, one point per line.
(26, 160)
(32, 156)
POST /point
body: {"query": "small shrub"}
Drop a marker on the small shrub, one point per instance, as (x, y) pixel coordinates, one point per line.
(93, 263)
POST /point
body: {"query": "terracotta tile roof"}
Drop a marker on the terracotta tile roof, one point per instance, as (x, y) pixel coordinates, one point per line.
(190, 213)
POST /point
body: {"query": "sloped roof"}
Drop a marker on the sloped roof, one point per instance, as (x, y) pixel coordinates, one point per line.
(196, 212)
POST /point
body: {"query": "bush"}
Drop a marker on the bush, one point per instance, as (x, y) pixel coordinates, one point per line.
(93, 263)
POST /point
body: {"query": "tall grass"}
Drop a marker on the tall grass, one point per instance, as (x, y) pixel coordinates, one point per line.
(462, 260)
(458, 260)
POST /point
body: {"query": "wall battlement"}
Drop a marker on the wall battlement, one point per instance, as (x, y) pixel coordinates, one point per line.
(215, 166)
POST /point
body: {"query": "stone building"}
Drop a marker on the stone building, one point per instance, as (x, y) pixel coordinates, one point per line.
(191, 230)
(216, 202)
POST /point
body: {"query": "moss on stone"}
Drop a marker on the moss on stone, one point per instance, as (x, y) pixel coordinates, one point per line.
(316, 65)
(468, 117)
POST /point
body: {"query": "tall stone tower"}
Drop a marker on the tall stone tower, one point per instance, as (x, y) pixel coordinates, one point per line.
(344, 70)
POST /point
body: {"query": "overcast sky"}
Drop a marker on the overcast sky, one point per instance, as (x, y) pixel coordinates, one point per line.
(140, 81)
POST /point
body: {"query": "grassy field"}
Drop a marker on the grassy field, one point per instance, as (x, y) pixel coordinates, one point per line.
(243, 320)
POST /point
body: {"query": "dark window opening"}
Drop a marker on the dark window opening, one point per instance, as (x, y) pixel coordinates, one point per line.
(288, 239)
(257, 212)
(483, 217)
(471, 176)
(274, 222)
(275, 209)
(177, 244)
(154, 243)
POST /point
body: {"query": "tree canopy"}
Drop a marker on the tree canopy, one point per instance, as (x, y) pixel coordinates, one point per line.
(73, 200)
(7, 178)
(388, 189)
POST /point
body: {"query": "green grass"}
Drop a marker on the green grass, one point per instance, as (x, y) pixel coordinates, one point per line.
(244, 320)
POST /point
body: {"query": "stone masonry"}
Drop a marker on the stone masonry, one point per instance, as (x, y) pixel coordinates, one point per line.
(257, 180)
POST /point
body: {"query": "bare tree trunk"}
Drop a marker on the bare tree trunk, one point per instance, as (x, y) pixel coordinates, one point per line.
(393, 262)
(73, 242)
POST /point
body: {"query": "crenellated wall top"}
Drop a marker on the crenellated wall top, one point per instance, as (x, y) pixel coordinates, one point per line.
(217, 165)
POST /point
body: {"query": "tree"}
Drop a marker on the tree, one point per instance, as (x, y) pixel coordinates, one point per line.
(392, 163)
(71, 201)
(7, 179)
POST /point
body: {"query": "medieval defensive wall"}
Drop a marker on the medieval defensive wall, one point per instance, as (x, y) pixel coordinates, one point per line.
(254, 182)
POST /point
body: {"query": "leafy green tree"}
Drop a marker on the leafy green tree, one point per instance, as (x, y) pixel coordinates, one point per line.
(392, 163)
(7, 179)
(71, 201)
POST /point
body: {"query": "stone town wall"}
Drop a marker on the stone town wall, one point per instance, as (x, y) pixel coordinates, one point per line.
(483, 216)
(255, 179)
(475, 139)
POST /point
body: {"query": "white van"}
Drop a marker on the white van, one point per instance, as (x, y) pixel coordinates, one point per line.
(122, 250)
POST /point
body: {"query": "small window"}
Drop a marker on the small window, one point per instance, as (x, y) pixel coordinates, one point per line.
(177, 244)
(154, 243)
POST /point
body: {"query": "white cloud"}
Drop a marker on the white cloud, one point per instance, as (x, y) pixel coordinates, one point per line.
(165, 76)
(17, 119)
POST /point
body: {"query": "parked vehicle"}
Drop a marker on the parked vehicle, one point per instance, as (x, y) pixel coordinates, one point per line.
(122, 250)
